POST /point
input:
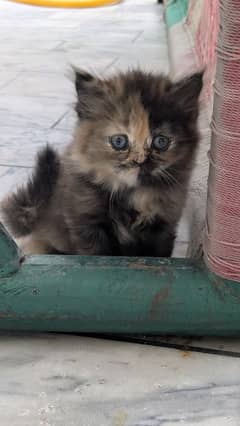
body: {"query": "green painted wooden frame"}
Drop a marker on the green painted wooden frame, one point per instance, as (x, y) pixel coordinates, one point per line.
(113, 295)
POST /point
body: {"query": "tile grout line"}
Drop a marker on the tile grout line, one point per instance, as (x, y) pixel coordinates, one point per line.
(11, 80)
(140, 33)
(111, 64)
(59, 119)
(16, 165)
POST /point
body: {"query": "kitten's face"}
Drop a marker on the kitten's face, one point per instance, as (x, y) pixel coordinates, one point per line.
(136, 128)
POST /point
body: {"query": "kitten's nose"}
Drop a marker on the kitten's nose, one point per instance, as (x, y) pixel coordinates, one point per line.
(139, 158)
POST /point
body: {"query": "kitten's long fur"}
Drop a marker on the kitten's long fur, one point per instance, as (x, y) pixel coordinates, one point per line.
(98, 200)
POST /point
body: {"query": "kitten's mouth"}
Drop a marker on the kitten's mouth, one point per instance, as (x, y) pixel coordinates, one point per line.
(141, 174)
(142, 170)
(129, 166)
(134, 165)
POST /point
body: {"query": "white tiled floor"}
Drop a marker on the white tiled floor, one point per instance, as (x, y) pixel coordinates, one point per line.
(38, 47)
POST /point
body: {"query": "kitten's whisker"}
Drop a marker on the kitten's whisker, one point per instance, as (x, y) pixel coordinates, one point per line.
(111, 201)
(169, 178)
(174, 180)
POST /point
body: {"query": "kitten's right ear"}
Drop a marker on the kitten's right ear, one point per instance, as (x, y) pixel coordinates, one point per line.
(84, 80)
(90, 94)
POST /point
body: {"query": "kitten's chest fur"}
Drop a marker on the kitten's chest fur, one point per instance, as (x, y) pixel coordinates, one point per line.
(140, 211)
(147, 203)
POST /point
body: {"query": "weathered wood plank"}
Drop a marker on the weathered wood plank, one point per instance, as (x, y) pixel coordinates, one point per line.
(118, 295)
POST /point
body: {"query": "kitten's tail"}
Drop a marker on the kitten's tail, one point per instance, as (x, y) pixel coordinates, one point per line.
(23, 209)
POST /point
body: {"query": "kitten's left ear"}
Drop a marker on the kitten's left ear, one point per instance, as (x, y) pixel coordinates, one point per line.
(186, 93)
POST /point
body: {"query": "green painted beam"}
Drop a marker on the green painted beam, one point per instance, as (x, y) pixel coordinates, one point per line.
(118, 295)
(114, 295)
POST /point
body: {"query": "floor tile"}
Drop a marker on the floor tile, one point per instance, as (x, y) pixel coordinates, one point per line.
(32, 84)
(23, 112)
(7, 77)
(11, 177)
(19, 146)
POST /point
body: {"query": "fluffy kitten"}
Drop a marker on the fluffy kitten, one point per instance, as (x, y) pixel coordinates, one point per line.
(120, 187)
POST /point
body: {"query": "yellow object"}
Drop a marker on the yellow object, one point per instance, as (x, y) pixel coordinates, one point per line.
(68, 3)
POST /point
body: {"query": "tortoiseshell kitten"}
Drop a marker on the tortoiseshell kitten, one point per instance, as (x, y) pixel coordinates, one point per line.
(120, 187)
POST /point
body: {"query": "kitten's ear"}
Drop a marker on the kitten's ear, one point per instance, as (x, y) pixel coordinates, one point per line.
(84, 81)
(90, 94)
(186, 93)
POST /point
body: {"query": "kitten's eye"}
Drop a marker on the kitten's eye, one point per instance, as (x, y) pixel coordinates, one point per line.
(161, 142)
(119, 142)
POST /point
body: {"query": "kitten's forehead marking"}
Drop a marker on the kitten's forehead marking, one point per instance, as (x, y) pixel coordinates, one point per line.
(139, 123)
(139, 131)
